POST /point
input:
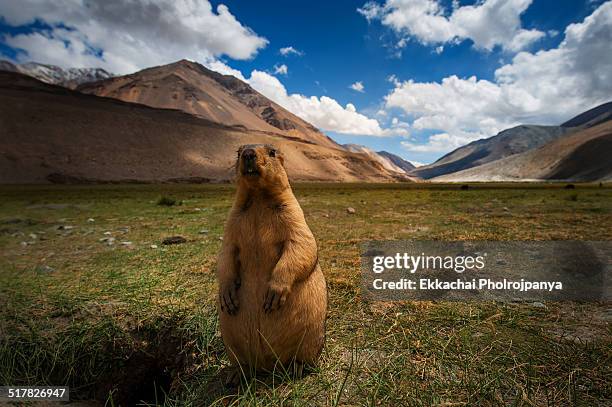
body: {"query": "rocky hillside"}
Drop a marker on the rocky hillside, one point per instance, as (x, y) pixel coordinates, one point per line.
(510, 142)
(407, 166)
(584, 155)
(194, 89)
(53, 134)
(55, 75)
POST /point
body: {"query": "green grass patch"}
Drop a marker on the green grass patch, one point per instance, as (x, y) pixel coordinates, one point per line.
(128, 319)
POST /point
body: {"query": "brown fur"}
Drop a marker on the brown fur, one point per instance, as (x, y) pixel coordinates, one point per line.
(272, 292)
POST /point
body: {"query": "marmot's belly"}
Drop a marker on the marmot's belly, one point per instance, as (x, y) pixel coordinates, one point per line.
(295, 331)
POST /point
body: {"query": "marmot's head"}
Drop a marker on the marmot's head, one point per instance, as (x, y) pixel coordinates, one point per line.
(261, 166)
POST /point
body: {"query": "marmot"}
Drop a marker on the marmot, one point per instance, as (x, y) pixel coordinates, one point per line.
(272, 292)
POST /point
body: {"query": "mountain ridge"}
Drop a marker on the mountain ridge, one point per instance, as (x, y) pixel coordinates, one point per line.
(195, 89)
(509, 142)
(52, 134)
(55, 75)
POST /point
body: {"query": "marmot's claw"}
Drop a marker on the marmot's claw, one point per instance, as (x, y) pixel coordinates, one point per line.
(229, 299)
(275, 297)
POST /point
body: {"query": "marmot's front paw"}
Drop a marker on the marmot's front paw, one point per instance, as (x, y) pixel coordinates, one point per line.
(276, 296)
(228, 297)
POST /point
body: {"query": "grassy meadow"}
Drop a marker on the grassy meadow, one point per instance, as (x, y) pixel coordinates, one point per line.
(91, 298)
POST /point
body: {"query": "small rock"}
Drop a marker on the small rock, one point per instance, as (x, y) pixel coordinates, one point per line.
(174, 240)
(108, 240)
(197, 209)
(126, 243)
(220, 237)
(350, 210)
(153, 246)
(325, 215)
(33, 236)
(90, 220)
(204, 231)
(45, 269)
(538, 305)
(506, 209)
(65, 227)
(107, 233)
(24, 244)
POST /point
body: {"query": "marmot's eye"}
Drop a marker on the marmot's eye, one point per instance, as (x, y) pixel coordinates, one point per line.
(272, 153)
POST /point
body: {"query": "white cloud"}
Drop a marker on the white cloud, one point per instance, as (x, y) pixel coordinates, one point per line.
(223, 68)
(286, 51)
(357, 86)
(487, 23)
(281, 69)
(132, 35)
(546, 87)
(323, 112)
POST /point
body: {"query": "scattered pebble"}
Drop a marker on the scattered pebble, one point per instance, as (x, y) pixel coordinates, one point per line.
(174, 240)
(350, 210)
(538, 305)
(108, 240)
(153, 246)
(65, 227)
(33, 236)
(506, 209)
(325, 215)
(220, 237)
(126, 243)
(90, 220)
(45, 269)
(24, 244)
(107, 233)
(204, 231)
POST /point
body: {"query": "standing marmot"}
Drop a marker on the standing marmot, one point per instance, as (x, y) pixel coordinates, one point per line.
(272, 292)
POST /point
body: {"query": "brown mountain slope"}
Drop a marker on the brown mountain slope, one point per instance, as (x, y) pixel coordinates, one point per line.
(192, 88)
(511, 141)
(581, 156)
(52, 134)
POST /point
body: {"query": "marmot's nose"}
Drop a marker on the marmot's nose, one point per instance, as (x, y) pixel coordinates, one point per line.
(248, 154)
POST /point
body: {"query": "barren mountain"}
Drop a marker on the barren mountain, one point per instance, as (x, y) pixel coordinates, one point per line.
(592, 117)
(192, 88)
(384, 161)
(583, 155)
(508, 142)
(53, 134)
(55, 75)
(512, 141)
(407, 166)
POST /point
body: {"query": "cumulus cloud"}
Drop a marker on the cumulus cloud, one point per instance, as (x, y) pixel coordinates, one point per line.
(323, 112)
(129, 35)
(286, 51)
(546, 87)
(357, 86)
(488, 23)
(281, 69)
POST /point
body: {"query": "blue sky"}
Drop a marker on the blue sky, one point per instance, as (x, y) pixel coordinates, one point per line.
(414, 58)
